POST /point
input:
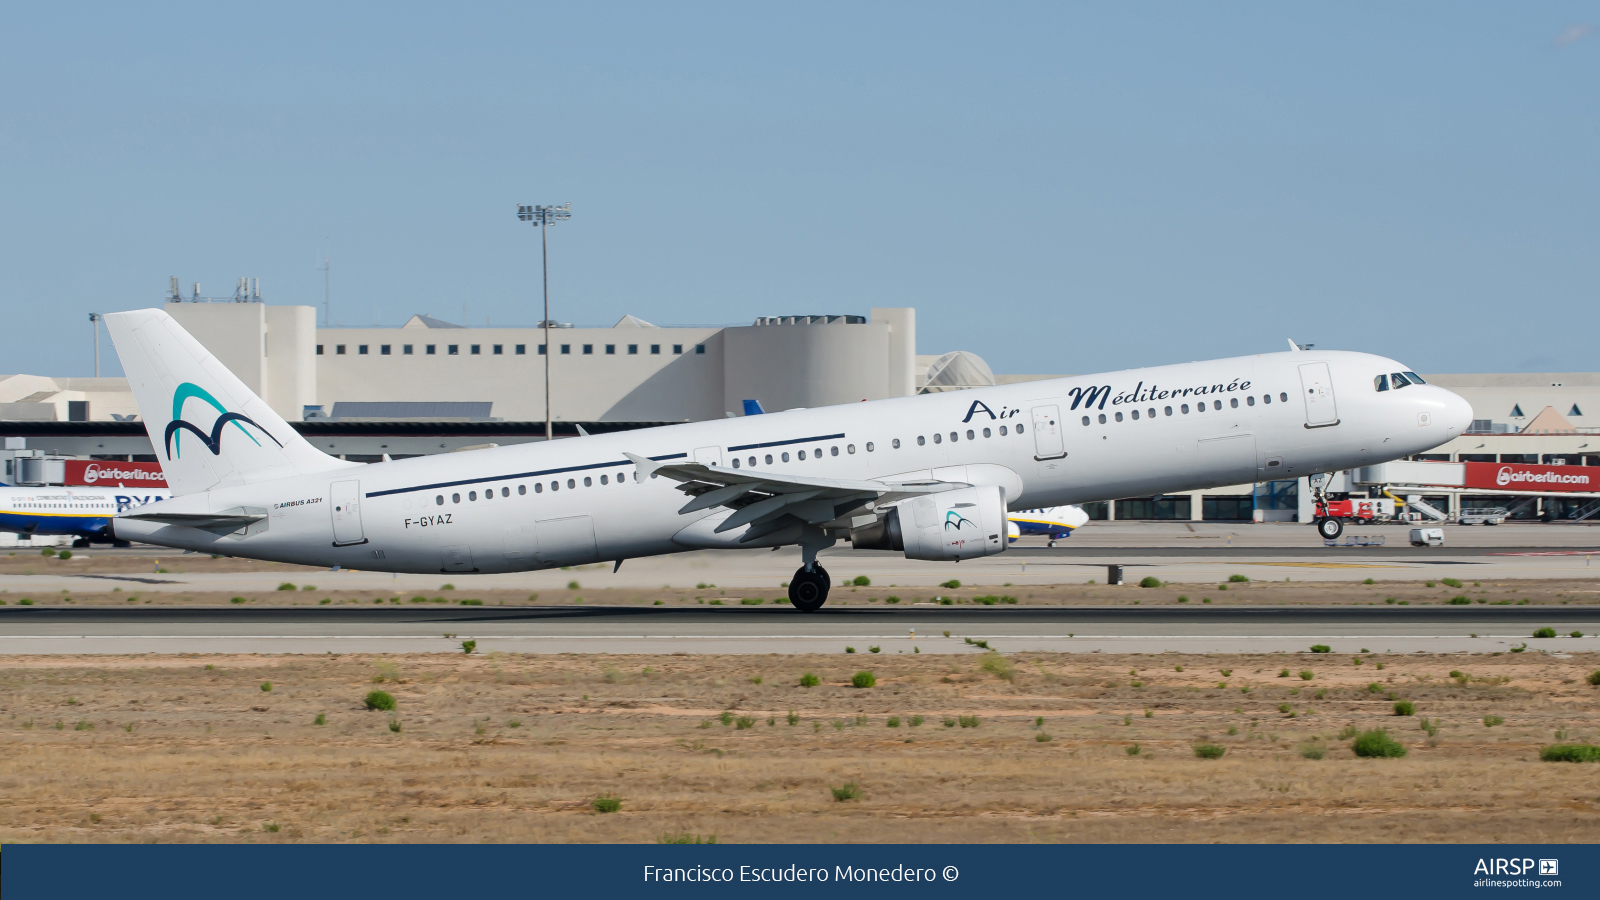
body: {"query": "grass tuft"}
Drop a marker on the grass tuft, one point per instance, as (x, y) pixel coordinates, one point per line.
(863, 679)
(1492, 721)
(847, 791)
(998, 666)
(1211, 751)
(380, 700)
(606, 803)
(1321, 648)
(1377, 745)
(1313, 751)
(1570, 753)
(1405, 708)
(1544, 633)
(1149, 581)
(809, 680)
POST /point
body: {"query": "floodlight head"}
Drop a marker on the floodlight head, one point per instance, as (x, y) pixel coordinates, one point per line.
(525, 213)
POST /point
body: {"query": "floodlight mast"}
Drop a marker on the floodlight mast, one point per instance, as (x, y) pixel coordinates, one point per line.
(544, 217)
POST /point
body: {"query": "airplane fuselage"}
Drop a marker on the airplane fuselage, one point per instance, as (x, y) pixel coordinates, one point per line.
(1072, 440)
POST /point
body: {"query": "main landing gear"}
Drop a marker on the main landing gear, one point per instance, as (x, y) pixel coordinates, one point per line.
(808, 590)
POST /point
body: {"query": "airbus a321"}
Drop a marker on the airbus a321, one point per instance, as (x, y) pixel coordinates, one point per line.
(930, 476)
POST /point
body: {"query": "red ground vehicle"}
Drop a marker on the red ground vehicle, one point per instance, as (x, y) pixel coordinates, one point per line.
(1330, 516)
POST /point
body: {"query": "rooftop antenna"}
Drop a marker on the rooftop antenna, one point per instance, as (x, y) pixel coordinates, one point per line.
(173, 295)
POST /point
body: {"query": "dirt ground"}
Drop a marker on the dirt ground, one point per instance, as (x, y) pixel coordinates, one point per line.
(518, 748)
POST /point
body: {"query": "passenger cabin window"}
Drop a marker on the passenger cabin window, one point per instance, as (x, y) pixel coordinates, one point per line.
(1086, 420)
(1019, 429)
(1119, 417)
(1283, 396)
(895, 444)
(1248, 401)
(1002, 431)
(1381, 383)
(869, 446)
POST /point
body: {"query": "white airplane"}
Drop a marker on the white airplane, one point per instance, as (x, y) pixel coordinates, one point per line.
(85, 513)
(931, 476)
(1056, 522)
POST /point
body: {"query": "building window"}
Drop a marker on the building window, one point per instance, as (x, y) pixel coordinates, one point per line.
(588, 349)
(361, 349)
(477, 349)
(566, 349)
(454, 349)
(611, 349)
(522, 349)
(655, 349)
(700, 348)
(499, 349)
(677, 348)
(633, 349)
(383, 349)
(338, 349)
(406, 349)
(319, 349)
(431, 349)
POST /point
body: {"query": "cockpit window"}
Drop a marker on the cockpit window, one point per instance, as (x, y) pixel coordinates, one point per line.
(1381, 383)
(1399, 380)
(1415, 378)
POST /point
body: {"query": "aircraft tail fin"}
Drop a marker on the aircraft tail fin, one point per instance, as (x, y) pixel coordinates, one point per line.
(753, 408)
(207, 428)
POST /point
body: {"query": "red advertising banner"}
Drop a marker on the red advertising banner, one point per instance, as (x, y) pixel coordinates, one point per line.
(1526, 477)
(110, 473)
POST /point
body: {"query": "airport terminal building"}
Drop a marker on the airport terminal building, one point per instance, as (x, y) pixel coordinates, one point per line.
(433, 386)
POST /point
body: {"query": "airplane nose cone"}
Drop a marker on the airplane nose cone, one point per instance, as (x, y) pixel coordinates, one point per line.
(1457, 414)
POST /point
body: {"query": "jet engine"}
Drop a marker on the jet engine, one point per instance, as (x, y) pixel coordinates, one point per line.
(961, 524)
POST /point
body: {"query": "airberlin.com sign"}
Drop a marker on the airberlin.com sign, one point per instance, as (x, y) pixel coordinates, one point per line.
(109, 473)
(1520, 477)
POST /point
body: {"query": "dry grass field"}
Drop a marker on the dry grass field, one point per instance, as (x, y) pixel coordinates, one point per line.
(1081, 748)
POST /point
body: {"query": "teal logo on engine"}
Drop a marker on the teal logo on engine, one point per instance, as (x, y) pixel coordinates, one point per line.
(953, 519)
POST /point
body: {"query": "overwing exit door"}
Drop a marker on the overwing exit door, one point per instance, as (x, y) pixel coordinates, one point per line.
(345, 506)
(1316, 388)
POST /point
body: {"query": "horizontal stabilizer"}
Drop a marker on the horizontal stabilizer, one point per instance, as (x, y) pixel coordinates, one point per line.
(216, 523)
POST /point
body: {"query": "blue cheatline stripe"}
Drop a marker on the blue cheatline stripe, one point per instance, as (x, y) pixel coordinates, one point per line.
(466, 481)
(804, 440)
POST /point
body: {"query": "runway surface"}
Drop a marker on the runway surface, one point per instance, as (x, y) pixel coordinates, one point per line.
(920, 629)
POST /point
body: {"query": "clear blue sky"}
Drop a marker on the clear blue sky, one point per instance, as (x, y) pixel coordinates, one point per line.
(1056, 189)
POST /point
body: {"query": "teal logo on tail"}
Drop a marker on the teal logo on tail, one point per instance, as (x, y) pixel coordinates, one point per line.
(213, 441)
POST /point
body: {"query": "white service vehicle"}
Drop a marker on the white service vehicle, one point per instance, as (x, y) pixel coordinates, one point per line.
(931, 476)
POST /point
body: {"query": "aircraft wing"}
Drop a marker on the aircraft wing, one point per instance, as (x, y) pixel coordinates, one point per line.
(763, 500)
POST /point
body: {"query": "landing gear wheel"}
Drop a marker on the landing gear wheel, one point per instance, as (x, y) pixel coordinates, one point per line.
(1330, 528)
(1052, 543)
(808, 590)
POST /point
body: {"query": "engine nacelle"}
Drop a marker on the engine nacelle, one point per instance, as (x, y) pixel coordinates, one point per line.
(959, 524)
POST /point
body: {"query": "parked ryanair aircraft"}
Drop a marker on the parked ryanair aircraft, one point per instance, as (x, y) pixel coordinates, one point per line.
(82, 512)
(1056, 522)
(931, 476)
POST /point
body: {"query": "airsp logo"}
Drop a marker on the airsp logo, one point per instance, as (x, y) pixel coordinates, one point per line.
(1516, 867)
